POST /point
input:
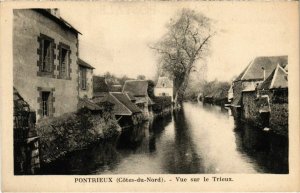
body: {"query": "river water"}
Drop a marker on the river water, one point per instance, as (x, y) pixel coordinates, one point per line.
(197, 139)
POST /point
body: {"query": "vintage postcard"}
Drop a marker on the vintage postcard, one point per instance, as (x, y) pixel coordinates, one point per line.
(166, 96)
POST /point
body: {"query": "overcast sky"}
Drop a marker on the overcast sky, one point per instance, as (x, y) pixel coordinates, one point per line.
(116, 35)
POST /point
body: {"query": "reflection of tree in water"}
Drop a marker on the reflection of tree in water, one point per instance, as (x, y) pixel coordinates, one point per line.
(102, 155)
(181, 156)
(156, 129)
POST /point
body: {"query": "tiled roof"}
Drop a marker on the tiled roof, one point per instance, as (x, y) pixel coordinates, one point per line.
(130, 96)
(126, 102)
(84, 64)
(85, 103)
(254, 70)
(118, 109)
(164, 82)
(277, 79)
(58, 20)
(136, 87)
(99, 84)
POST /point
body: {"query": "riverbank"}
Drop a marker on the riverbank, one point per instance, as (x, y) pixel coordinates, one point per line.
(74, 131)
(187, 141)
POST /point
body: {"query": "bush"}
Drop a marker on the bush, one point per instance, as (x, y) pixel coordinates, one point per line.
(74, 131)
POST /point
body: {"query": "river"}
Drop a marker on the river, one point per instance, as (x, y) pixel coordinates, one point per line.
(197, 139)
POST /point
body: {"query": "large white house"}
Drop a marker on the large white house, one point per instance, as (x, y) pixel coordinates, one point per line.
(164, 87)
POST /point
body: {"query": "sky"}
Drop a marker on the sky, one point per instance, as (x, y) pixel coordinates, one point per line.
(116, 35)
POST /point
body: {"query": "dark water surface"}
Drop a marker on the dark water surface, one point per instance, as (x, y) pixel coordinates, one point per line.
(198, 139)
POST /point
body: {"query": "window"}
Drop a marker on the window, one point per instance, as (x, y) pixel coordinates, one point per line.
(64, 63)
(47, 55)
(46, 101)
(83, 78)
(45, 104)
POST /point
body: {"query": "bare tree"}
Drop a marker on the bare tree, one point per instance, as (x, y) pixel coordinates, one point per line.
(186, 42)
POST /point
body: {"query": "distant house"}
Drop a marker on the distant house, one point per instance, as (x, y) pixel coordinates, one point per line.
(254, 74)
(45, 55)
(164, 87)
(85, 79)
(138, 89)
(100, 87)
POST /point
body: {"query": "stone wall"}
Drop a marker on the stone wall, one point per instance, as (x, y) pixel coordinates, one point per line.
(28, 25)
(74, 131)
(278, 120)
(250, 111)
(279, 116)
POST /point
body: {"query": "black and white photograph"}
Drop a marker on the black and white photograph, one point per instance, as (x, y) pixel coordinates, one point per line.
(119, 88)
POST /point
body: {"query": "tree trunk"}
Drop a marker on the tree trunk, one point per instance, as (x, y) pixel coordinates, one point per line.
(181, 90)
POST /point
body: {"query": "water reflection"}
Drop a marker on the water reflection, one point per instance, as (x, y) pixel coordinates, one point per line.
(197, 139)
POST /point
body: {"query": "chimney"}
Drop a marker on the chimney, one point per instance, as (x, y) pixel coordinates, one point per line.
(264, 73)
(55, 12)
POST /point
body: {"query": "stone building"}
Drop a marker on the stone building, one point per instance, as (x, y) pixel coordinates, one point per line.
(85, 79)
(255, 73)
(45, 54)
(138, 89)
(164, 87)
(273, 101)
(266, 105)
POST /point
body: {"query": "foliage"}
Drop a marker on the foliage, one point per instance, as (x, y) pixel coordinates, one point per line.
(150, 89)
(186, 42)
(216, 90)
(112, 79)
(73, 131)
(161, 103)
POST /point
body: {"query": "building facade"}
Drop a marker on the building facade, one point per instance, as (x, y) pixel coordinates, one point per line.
(254, 74)
(164, 87)
(45, 53)
(266, 104)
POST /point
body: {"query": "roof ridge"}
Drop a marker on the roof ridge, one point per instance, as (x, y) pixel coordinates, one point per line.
(283, 69)
(275, 74)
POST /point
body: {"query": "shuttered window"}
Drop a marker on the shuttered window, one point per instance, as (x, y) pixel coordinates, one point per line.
(47, 56)
(83, 80)
(64, 63)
